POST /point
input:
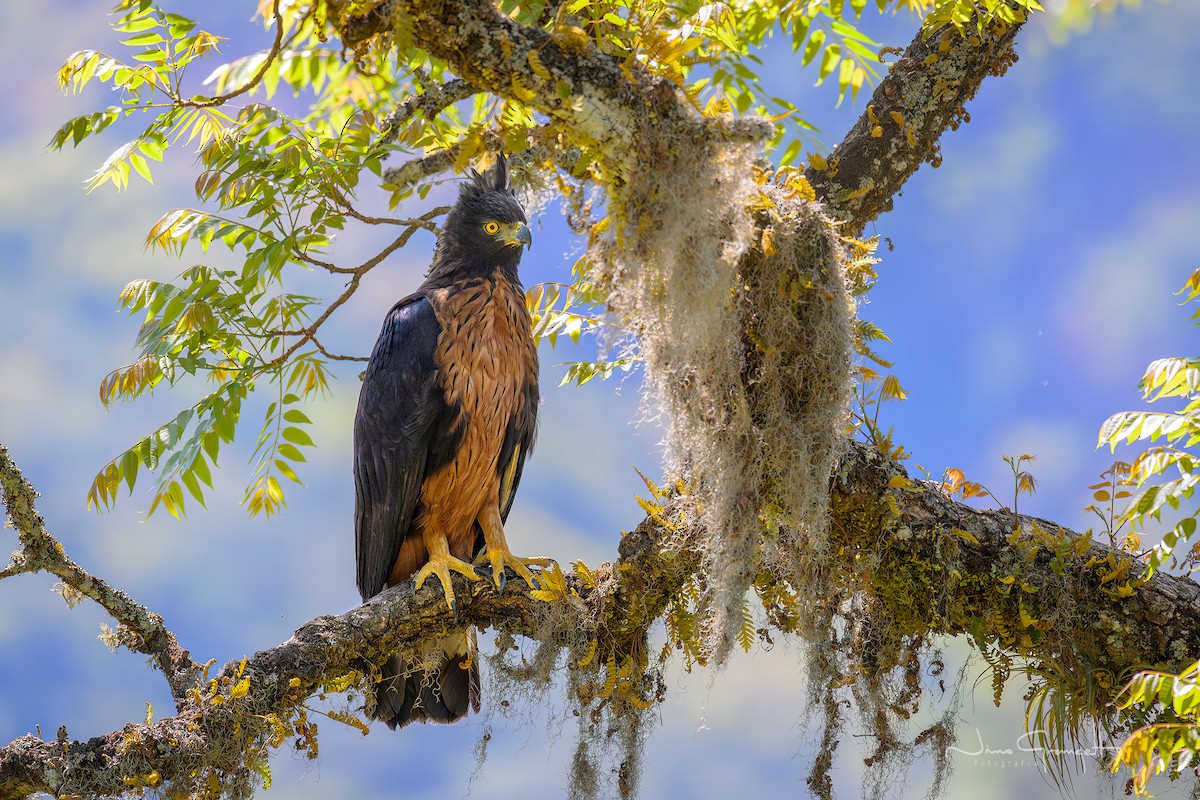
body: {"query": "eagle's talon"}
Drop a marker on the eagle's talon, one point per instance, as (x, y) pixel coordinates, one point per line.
(442, 566)
(503, 560)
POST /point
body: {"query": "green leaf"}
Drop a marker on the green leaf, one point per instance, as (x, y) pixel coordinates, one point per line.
(136, 22)
(815, 41)
(200, 468)
(193, 486)
(139, 164)
(129, 468)
(286, 470)
(829, 60)
(291, 452)
(297, 436)
(790, 155)
(143, 39)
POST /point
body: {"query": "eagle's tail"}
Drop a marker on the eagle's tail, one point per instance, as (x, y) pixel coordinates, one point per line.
(441, 685)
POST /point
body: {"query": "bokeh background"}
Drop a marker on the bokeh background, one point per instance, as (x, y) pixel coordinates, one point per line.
(1029, 281)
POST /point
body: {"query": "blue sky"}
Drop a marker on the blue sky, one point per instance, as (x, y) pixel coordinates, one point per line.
(1031, 281)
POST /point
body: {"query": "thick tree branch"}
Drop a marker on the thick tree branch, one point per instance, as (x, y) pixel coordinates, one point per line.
(139, 629)
(955, 560)
(600, 103)
(923, 95)
(608, 107)
(920, 525)
(221, 736)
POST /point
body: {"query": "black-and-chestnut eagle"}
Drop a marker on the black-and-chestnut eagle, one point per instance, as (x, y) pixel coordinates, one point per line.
(446, 418)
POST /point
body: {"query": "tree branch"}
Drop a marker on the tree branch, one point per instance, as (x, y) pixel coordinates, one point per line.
(599, 103)
(222, 736)
(418, 169)
(429, 104)
(953, 557)
(139, 629)
(922, 527)
(923, 95)
(276, 47)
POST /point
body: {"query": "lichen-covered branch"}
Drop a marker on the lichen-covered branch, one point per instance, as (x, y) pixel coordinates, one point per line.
(599, 103)
(941, 566)
(429, 104)
(139, 629)
(923, 95)
(607, 107)
(420, 168)
(221, 736)
(962, 553)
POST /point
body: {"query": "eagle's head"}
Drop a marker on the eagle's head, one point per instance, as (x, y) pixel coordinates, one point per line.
(486, 228)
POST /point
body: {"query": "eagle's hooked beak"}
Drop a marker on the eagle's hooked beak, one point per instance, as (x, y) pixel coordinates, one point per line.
(516, 234)
(522, 236)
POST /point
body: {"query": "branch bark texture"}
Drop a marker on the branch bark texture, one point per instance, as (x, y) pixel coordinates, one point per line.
(602, 105)
(599, 103)
(959, 562)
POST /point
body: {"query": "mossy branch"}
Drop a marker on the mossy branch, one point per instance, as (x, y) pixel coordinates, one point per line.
(429, 104)
(599, 102)
(606, 106)
(920, 527)
(139, 629)
(415, 170)
(222, 737)
(923, 95)
(941, 566)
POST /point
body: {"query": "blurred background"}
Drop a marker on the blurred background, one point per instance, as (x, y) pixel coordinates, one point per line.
(1027, 284)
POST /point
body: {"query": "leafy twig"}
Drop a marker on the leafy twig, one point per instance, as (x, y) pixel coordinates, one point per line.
(276, 47)
(357, 274)
(430, 104)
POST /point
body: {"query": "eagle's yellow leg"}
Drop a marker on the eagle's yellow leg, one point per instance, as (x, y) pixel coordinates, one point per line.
(499, 556)
(441, 564)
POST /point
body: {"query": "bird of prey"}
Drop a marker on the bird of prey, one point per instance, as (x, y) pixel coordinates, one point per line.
(446, 418)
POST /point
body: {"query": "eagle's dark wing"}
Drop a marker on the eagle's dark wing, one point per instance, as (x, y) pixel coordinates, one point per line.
(400, 407)
(518, 441)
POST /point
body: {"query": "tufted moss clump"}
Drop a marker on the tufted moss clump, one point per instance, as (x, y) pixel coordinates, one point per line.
(734, 287)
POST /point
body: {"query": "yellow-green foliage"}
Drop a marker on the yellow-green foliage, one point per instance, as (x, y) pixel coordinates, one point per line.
(1176, 456)
(971, 15)
(1172, 742)
(241, 328)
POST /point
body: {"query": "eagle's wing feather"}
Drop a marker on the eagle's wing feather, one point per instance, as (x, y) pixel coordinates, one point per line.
(398, 406)
(518, 441)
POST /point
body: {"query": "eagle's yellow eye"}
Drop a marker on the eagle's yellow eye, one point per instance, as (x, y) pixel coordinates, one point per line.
(492, 227)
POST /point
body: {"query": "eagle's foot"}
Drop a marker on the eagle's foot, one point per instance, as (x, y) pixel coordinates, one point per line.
(500, 559)
(442, 566)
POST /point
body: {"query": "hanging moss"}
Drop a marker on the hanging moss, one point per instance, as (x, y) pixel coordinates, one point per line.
(734, 288)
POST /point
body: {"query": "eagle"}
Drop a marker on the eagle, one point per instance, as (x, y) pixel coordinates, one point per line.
(446, 418)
